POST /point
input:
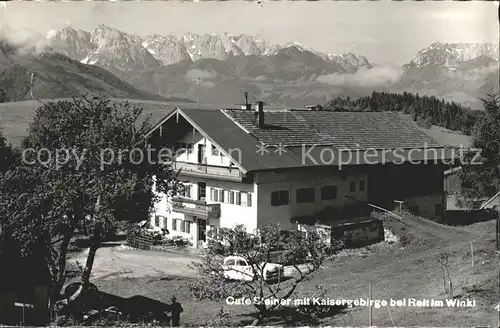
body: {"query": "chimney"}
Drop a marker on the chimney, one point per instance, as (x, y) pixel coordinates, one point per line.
(246, 105)
(259, 114)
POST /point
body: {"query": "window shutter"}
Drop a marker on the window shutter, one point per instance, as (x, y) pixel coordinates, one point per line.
(188, 226)
(238, 198)
(221, 195)
(174, 224)
(183, 223)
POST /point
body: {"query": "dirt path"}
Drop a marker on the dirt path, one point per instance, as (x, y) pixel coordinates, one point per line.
(121, 261)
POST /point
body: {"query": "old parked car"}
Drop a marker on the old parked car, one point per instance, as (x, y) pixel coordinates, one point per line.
(238, 268)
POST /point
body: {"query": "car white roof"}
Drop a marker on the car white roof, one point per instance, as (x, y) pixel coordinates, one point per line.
(234, 257)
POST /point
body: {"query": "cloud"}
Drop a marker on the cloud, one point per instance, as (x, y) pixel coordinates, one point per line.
(195, 74)
(24, 40)
(50, 34)
(473, 74)
(365, 77)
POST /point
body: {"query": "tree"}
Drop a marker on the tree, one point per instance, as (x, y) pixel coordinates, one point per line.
(82, 158)
(303, 252)
(483, 180)
(7, 155)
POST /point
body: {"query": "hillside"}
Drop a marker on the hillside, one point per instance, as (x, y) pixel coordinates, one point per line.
(288, 76)
(26, 75)
(15, 117)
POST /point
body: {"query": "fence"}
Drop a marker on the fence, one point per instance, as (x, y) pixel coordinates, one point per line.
(140, 241)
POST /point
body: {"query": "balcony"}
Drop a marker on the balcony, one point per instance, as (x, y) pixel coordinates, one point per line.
(210, 171)
(196, 208)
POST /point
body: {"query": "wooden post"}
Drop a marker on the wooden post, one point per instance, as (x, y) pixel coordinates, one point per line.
(497, 228)
(496, 231)
(472, 252)
(400, 202)
(370, 304)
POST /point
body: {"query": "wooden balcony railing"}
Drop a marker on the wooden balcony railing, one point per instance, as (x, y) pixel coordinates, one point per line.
(209, 170)
(196, 208)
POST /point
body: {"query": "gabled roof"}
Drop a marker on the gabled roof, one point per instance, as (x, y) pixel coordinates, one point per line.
(309, 137)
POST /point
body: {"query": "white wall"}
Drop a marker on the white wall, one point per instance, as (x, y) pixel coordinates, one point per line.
(231, 214)
(197, 139)
(309, 178)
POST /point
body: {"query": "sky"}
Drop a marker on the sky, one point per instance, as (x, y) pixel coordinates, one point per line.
(384, 32)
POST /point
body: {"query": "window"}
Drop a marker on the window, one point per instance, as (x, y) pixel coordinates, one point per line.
(352, 186)
(244, 198)
(157, 221)
(438, 209)
(186, 191)
(215, 151)
(202, 190)
(280, 197)
(188, 226)
(241, 262)
(216, 195)
(249, 199)
(190, 148)
(174, 224)
(305, 195)
(231, 197)
(362, 185)
(182, 225)
(328, 192)
(238, 198)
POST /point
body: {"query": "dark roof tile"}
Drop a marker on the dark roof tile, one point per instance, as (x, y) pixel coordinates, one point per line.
(349, 130)
(313, 133)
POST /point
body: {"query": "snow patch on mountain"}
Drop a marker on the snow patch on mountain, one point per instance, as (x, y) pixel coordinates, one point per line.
(451, 55)
(117, 49)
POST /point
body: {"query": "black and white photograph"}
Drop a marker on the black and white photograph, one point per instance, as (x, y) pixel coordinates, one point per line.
(250, 163)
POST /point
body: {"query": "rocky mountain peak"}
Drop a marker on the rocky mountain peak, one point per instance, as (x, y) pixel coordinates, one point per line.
(450, 55)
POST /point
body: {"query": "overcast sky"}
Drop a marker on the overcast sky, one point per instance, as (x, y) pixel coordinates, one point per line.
(384, 32)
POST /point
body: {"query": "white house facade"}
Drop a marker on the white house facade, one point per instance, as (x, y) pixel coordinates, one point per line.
(229, 180)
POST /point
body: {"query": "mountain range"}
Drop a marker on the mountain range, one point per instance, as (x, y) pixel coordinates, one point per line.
(116, 50)
(218, 68)
(28, 74)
